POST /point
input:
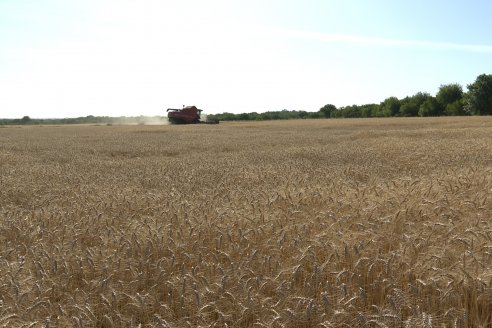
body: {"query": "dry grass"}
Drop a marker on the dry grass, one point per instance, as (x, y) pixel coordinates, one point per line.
(351, 223)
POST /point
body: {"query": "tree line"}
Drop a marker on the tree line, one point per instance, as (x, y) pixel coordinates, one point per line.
(450, 100)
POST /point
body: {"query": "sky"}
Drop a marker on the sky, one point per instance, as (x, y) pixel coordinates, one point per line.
(61, 58)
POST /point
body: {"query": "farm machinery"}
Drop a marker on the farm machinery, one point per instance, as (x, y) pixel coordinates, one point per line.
(187, 115)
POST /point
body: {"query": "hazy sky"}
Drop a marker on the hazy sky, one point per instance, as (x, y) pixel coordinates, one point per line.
(69, 58)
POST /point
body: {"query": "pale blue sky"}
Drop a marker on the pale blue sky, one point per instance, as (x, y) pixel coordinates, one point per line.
(61, 58)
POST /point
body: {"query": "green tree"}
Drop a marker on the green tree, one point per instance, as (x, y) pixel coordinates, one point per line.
(450, 99)
(420, 97)
(478, 100)
(367, 110)
(303, 114)
(455, 108)
(449, 93)
(243, 117)
(376, 110)
(408, 107)
(351, 111)
(430, 107)
(315, 115)
(390, 107)
(326, 110)
(25, 120)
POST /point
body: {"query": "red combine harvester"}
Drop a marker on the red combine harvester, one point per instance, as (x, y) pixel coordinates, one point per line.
(186, 115)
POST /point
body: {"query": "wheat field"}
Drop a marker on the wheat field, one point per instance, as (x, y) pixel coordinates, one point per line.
(307, 223)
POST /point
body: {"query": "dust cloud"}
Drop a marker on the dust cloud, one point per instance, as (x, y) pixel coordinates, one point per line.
(154, 121)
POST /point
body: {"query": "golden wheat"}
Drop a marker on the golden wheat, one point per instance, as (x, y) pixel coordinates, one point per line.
(327, 223)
